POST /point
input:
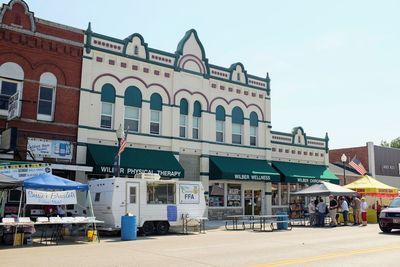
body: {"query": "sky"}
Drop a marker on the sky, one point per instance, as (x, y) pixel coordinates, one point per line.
(334, 65)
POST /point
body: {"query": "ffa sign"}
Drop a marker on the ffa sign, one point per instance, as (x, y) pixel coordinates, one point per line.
(189, 194)
(37, 197)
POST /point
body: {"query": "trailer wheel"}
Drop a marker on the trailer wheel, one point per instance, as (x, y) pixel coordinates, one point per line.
(162, 228)
(148, 228)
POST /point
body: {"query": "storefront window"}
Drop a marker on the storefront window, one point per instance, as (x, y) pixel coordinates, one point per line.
(293, 188)
(217, 195)
(284, 194)
(160, 193)
(234, 195)
(275, 195)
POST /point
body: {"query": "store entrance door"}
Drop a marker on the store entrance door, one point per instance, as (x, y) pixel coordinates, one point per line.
(252, 202)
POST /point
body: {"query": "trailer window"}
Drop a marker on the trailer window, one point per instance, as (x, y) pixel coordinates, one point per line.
(160, 193)
(97, 197)
(132, 195)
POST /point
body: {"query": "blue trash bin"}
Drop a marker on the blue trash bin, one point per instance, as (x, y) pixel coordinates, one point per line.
(128, 228)
(282, 216)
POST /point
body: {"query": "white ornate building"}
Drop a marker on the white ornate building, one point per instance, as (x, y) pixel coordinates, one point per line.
(187, 119)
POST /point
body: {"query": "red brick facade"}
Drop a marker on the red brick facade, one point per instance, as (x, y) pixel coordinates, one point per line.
(360, 152)
(39, 46)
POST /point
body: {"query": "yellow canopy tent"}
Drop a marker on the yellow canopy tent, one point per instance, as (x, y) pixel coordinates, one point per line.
(369, 186)
(373, 190)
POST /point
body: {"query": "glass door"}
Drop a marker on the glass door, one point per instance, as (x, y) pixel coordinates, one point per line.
(252, 202)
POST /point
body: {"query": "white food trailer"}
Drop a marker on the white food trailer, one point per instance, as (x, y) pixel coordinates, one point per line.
(157, 204)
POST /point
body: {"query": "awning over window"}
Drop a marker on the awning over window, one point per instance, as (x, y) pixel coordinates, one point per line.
(305, 173)
(242, 169)
(133, 160)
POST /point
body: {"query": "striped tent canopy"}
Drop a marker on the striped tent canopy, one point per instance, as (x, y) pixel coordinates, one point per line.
(369, 186)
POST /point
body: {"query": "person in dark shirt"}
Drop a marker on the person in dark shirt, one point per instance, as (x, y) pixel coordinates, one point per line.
(333, 205)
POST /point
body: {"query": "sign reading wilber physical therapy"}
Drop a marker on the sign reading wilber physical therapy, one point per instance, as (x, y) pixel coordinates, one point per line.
(133, 171)
(37, 197)
(189, 194)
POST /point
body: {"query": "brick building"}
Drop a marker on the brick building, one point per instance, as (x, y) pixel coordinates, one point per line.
(41, 61)
(383, 163)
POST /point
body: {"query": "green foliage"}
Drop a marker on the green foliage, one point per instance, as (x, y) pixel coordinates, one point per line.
(395, 143)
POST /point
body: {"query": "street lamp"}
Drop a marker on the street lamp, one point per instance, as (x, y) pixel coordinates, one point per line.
(119, 133)
(343, 158)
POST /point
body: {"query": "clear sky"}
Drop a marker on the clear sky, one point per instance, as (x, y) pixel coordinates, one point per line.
(334, 65)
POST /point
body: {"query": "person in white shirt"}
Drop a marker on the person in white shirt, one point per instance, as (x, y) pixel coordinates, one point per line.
(311, 211)
(60, 211)
(364, 208)
(345, 209)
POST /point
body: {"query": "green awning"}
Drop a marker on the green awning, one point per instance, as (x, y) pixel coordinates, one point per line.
(133, 160)
(242, 169)
(305, 173)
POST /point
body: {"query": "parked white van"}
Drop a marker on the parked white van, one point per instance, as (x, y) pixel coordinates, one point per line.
(157, 204)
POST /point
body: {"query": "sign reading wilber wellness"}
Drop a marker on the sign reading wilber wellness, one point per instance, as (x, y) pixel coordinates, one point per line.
(189, 194)
(37, 197)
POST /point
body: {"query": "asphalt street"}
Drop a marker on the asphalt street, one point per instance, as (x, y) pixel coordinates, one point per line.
(340, 246)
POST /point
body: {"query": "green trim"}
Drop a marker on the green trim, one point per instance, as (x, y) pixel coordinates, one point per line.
(183, 107)
(282, 133)
(107, 38)
(238, 83)
(232, 68)
(142, 43)
(204, 174)
(167, 54)
(256, 78)
(174, 138)
(87, 57)
(291, 144)
(204, 156)
(108, 93)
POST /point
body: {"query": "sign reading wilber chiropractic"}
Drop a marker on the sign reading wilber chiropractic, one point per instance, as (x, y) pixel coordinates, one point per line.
(189, 194)
(37, 197)
(44, 148)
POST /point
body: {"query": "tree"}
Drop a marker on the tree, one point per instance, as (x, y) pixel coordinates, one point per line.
(395, 143)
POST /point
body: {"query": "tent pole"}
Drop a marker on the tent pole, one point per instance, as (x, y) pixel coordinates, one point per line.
(19, 212)
(92, 212)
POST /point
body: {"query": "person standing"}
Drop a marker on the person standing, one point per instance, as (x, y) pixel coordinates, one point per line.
(357, 210)
(364, 208)
(321, 207)
(333, 205)
(311, 211)
(345, 210)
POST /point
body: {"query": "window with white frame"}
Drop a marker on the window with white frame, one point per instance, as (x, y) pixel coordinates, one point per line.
(155, 113)
(107, 106)
(196, 120)
(220, 131)
(132, 119)
(11, 80)
(183, 115)
(220, 124)
(155, 122)
(196, 128)
(253, 128)
(237, 132)
(182, 125)
(237, 125)
(133, 105)
(47, 95)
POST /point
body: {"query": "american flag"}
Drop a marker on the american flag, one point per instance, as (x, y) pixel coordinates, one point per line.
(122, 144)
(356, 164)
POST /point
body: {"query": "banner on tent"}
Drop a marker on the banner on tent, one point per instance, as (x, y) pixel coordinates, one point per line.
(37, 197)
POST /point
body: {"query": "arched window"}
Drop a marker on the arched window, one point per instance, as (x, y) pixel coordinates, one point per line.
(133, 105)
(196, 120)
(183, 117)
(237, 125)
(107, 106)
(220, 124)
(11, 79)
(136, 50)
(47, 95)
(253, 128)
(155, 113)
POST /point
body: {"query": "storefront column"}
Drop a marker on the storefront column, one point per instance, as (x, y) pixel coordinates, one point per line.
(268, 199)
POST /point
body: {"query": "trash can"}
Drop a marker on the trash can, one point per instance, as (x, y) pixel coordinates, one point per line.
(128, 228)
(282, 216)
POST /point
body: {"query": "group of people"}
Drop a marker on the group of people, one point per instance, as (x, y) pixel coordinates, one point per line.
(318, 210)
